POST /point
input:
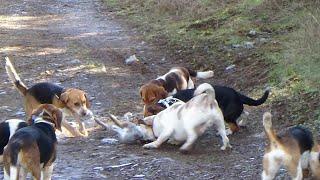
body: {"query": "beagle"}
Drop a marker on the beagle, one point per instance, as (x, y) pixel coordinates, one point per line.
(33, 148)
(7, 129)
(294, 149)
(71, 101)
(230, 102)
(185, 122)
(177, 78)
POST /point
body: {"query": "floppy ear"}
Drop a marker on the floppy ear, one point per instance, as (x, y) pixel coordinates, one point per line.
(35, 113)
(57, 118)
(64, 97)
(87, 101)
(57, 101)
(153, 110)
(162, 93)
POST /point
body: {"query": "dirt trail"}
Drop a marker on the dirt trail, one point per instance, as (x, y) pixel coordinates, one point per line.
(75, 43)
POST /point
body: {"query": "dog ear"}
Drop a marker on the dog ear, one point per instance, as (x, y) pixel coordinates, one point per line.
(57, 118)
(64, 97)
(87, 101)
(35, 113)
(153, 110)
(162, 93)
(57, 101)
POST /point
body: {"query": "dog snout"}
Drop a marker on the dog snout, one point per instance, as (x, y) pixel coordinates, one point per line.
(86, 113)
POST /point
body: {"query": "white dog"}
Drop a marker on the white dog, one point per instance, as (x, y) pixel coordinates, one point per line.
(185, 122)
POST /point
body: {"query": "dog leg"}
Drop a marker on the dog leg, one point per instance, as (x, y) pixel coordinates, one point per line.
(23, 173)
(244, 118)
(71, 129)
(161, 139)
(14, 173)
(271, 166)
(82, 127)
(294, 168)
(233, 127)
(192, 137)
(222, 132)
(5, 174)
(47, 172)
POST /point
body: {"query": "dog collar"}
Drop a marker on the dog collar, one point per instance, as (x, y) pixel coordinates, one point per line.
(167, 102)
(36, 120)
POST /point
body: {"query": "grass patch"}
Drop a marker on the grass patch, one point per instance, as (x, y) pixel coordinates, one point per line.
(286, 39)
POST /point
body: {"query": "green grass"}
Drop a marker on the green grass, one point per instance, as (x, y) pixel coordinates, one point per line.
(292, 27)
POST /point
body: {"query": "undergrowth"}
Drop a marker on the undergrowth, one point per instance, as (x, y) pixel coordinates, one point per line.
(285, 35)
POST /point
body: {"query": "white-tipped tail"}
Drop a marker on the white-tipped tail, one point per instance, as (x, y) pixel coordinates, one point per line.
(267, 122)
(14, 77)
(11, 71)
(205, 74)
(205, 88)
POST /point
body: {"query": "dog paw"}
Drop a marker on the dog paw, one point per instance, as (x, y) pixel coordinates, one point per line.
(224, 147)
(228, 132)
(150, 146)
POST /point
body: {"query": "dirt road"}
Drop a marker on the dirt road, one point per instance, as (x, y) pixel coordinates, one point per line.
(76, 44)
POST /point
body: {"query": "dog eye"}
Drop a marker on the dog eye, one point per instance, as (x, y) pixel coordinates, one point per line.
(77, 104)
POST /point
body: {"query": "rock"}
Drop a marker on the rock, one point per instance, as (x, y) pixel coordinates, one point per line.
(248, 45)
(131, 60)
(263, 40)
(236, 46)
(75, 61)
(109, 141)
(3, 92)
(20, 113)
(230, 68)
(252, 33)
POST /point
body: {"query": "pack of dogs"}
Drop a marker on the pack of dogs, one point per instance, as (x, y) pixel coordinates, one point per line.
(175, 111)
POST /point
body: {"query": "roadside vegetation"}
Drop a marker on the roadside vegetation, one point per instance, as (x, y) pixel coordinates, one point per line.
(274, 42)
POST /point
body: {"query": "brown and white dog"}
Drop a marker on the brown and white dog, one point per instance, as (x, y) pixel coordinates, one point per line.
(33, 148)
(178, 78)
(295, 149)
(71, 101)
(7, 129)
(185, 122)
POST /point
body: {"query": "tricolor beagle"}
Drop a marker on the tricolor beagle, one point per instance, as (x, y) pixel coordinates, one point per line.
(7, 129)
(177, 78)
(33, 148)
(295, 149)
(71, 101)
(230, 102)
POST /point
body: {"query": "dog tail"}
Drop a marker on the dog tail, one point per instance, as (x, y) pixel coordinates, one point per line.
(201, 75)
(267, 124)
(14, 77)
(205, 88)
(251, 102)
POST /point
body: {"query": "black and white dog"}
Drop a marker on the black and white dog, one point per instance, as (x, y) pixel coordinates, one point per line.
(230, 102)
(7, 129)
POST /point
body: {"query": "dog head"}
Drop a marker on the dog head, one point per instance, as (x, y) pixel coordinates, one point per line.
(76, 101)
(152, 109)
(151, 93)
(48, 112)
